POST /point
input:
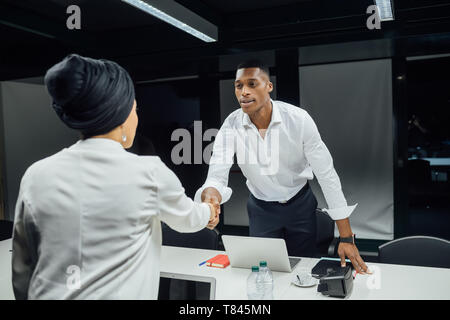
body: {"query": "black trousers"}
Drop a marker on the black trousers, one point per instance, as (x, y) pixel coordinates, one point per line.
(293, 221)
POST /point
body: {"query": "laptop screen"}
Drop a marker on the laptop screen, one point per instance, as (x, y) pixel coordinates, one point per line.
(185, 287)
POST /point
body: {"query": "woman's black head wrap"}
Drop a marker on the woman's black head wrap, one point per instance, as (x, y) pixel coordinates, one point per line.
(92, 96)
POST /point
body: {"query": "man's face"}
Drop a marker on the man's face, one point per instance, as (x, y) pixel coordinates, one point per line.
(252, 87)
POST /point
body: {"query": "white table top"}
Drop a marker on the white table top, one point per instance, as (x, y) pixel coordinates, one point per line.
(388, 281)
(6, 290)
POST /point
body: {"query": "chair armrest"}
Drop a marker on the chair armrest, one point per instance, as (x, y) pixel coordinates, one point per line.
(332, 249)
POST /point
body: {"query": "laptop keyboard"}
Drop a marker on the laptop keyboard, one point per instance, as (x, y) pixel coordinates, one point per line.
(293, 262)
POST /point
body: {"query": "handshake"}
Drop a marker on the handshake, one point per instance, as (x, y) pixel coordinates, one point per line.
(213, 198)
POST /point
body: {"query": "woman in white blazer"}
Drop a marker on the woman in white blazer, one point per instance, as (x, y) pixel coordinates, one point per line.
(87, 220)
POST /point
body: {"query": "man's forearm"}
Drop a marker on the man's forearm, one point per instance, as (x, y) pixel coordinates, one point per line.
(344, 227)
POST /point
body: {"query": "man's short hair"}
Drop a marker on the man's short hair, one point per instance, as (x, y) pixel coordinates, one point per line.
(254, 63)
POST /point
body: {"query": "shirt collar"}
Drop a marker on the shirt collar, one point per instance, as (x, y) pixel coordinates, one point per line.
(276, 117)
(98, 143)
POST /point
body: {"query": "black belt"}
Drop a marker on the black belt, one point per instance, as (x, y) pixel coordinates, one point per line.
(298, 195)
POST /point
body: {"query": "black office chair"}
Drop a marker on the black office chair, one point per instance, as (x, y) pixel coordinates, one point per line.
(6, 229)
(326, 243)
(416, 251)
(174, 289)
(203, 239)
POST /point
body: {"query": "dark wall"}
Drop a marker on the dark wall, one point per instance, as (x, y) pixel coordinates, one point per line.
(167, 106)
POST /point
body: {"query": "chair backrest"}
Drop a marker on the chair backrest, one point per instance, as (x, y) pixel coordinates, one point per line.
(325, 231)
(6, 229)
(203, 239)
(419, 172)
(417, 251)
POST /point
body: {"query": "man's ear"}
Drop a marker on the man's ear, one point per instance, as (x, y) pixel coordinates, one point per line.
(270, 84)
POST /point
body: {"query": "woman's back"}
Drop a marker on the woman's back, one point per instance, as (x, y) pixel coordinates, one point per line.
(87, 219)
(90, 218)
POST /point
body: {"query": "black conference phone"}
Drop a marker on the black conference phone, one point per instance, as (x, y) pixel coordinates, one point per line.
(334, 280)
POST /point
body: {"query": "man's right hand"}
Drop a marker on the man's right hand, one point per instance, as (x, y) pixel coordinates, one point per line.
(211, 195)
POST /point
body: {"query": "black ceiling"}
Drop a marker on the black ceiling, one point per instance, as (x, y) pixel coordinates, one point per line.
(34, 35)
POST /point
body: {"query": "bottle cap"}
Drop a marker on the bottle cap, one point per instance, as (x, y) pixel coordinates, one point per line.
(255, 269)
(263, 263)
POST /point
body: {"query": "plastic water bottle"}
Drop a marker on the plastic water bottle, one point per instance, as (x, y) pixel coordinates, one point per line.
(267, 280)
(254, 285)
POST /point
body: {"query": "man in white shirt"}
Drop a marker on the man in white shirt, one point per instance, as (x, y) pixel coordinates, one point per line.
(278, 147)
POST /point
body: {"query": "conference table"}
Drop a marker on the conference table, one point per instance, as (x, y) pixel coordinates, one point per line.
(387, 282)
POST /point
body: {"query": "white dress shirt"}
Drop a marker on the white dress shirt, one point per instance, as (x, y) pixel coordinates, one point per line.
(280, 164)
(92, 213)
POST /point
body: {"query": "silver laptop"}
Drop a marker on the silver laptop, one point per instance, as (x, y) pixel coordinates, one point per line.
(245, 252)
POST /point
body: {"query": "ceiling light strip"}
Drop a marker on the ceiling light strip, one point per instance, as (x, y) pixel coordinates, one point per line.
(139, 4)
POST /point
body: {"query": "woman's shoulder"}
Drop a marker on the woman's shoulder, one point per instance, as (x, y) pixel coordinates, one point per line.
(154, 164)
(45, 164)
(39, 171)
(155, 160)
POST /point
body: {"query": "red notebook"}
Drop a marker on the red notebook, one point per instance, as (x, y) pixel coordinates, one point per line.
(219, 261)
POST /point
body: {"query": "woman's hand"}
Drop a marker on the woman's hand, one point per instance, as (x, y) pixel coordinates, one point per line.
(214, 218)
(212, 197)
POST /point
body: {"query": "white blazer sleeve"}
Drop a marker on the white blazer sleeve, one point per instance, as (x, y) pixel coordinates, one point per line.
(176, 209)
(24, 247)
